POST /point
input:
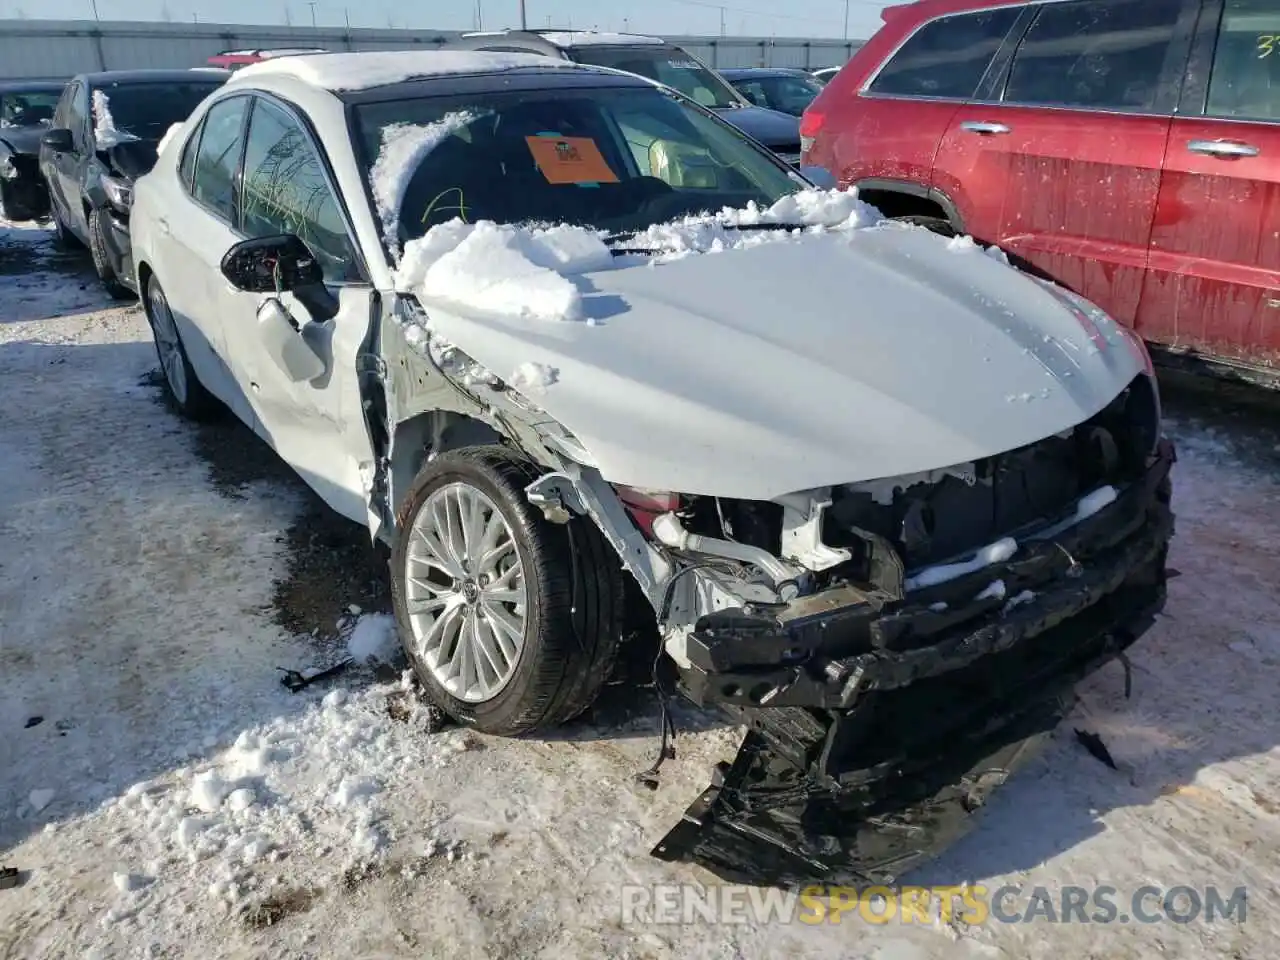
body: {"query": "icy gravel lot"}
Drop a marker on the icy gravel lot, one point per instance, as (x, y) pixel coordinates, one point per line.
(165, 796)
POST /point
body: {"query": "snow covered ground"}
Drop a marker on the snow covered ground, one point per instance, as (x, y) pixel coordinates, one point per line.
(165, 796)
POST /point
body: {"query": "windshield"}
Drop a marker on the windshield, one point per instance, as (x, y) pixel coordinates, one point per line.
(618, 160)
(668, 65)
(787, 94)
(147, 110)
(28, 108)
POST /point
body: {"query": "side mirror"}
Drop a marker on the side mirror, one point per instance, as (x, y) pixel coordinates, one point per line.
(58, 140)
(271, 265)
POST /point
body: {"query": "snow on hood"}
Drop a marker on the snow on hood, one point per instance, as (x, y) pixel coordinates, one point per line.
(105, 133)
(844, 351)
(404, 145)
(527, 272)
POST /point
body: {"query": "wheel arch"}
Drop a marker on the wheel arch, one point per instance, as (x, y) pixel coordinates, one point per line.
(897, 198)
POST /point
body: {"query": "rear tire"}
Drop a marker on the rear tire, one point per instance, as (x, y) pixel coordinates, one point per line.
(102, 261)
(183, 389)
(544, 631)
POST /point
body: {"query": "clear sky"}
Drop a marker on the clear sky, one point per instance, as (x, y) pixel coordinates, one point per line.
(804, 18)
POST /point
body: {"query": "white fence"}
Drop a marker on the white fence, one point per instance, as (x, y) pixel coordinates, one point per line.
(56, 49)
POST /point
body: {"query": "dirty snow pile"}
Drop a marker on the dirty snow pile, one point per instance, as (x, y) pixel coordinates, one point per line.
(404, 145)
(308, 784)
(105, 133)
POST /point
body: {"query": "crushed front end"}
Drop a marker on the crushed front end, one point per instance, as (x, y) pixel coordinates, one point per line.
(886, 695)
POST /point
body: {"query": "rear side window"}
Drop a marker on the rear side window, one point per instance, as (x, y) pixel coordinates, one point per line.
(1245, 81)
(218, 156)
(947, 57)
(187, 163)
(1100, 54)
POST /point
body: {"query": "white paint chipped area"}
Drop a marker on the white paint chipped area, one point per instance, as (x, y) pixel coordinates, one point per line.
(173, 784)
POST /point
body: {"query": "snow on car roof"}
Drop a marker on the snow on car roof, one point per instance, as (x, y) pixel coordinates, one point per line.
(589, 38)
(360, 71)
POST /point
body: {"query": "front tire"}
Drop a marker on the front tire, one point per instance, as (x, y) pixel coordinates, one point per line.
(101, 260)
(512, 623)
(183, 388)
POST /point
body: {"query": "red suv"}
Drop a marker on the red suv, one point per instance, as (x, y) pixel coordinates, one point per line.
(1129, 149)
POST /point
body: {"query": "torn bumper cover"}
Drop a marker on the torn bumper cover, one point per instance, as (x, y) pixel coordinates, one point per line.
(875, 729)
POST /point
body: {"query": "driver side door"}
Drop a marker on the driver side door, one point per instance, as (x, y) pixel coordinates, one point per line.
(318, 427)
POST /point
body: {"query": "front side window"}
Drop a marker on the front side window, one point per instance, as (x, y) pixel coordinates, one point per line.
(147, 110)
(667, 65)
(945, 59)
(213, 181)
(1097, 54)
(28, 108)
(786, 94)
(618, 160)
(1245, 81)
(75, 116)
(284, 191)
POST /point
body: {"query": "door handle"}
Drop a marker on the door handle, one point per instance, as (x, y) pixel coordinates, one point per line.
(977, 126)
(1228, 149)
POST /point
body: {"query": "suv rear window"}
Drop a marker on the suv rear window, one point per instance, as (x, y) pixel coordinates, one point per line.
(946, 58)
(1101, 54)
(1245, 82)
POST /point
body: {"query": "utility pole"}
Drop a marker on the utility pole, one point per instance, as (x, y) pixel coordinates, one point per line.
(94, 4)
(312, 5)
(722, 21)
(846, 19)
(524, 23)
(479, 16)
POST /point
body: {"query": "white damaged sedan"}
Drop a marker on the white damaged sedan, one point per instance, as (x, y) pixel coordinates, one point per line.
(585, 358)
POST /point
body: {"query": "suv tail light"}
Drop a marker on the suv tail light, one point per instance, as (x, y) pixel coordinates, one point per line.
(810, 125)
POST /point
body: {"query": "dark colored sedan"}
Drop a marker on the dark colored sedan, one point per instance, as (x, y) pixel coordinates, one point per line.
(775, 88)
(105, 134)
(26, 109)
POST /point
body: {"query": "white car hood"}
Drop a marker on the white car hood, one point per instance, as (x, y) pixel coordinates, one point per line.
(826, 359)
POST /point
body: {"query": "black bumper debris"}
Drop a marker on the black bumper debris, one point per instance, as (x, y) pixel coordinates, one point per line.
(875, 729)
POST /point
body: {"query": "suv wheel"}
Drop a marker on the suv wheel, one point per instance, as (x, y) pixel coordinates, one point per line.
(512, 623)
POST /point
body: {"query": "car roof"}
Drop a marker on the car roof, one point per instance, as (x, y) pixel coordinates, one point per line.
(352, 73)
(567, 39)
(31, 86)
(927, 9)
(151, 76)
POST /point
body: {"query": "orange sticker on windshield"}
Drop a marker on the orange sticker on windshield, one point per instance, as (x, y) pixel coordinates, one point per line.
(570, 160)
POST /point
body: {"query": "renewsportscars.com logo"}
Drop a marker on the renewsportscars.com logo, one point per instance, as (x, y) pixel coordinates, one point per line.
(970, 905)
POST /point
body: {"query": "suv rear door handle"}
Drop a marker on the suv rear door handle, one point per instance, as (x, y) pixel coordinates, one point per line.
(1230, 149)
(977, 126)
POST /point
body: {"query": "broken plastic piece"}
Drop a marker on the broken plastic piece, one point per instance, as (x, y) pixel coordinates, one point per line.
(294, 681)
